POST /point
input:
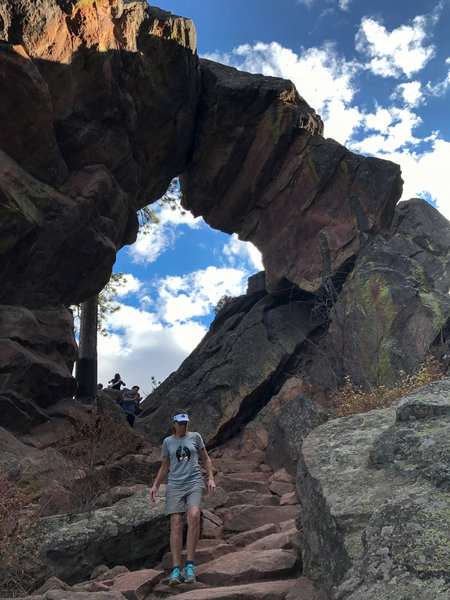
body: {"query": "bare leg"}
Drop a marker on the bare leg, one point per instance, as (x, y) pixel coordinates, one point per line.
(193, 520)
(176, 538)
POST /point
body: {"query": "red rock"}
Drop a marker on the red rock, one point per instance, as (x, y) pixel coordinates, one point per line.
(251, 497)
(268, 590)
(280, 488)
(207, 550)
(289, 498)
(136, 585)
(242, 518)
(230, 484)
(252, 476)
(233, 465)
(247, 537)
(289, 524)
(322, 175)
(265, 468)
(247, 566)
(211, 524)
(285, 540)
(220, 498)
(281, 475)
(53, 583)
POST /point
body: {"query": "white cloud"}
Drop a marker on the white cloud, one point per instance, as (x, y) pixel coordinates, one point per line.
(343, 4)
(402, 51)
(161, 237)
(195, 294)
(440, 88)
(410, 93)
(426, 174)
(144, 351)
(238, 252)
(395, 129)
(380, 120)
(130, 285)
(143, 343)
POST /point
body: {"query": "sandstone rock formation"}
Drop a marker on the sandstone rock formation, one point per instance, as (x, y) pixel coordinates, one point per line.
(97, 106)
(307, 203)
(105, 103)
(375, 511)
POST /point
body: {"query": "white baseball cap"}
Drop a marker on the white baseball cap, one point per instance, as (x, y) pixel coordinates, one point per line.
(181, 418)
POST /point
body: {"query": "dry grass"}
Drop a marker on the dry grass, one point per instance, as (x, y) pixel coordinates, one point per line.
(351, 399)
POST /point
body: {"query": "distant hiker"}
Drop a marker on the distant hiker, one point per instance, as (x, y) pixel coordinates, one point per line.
(184, 492)
(116, 382)
(129, 403)
(99, 386)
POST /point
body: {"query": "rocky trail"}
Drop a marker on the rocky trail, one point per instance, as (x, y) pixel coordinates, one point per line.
(250, 547)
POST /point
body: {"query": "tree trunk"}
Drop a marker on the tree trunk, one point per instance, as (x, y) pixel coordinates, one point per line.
(86, 365)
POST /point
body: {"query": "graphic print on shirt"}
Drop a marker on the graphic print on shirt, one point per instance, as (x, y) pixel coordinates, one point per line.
(183, 453)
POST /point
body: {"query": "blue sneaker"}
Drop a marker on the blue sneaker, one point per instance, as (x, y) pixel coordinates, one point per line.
(175, 577)
(188, 574)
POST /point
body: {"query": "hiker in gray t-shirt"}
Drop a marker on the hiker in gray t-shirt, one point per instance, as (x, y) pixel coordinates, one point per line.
(184, 492)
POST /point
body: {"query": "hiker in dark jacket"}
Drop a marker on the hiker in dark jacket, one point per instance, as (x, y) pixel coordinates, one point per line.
(116, 382)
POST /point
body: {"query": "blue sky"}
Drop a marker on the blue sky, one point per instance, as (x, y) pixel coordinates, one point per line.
(378, 73)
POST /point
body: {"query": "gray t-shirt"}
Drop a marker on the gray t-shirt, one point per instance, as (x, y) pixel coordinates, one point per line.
(183, 454)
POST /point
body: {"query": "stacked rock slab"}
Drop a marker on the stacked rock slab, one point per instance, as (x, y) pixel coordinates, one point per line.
(261, 168)
(374, 491)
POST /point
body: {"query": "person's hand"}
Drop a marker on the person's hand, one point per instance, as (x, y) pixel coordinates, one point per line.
(153, 491)
(211, 486)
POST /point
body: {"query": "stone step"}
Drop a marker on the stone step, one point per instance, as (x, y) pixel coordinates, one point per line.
(234, 484)
(244, 517)
(267, 590)
(247, 537)
(284, 540)
(246, 566)
(205, 553)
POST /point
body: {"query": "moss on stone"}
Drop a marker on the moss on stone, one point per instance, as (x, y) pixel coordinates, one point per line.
(310, 162)
(343, 165)
(429, 300)
(275, 122)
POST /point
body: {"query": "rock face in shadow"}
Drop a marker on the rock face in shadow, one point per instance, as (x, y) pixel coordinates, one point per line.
(97, 106)
(233, 371)
(306, 202)
(372, 487)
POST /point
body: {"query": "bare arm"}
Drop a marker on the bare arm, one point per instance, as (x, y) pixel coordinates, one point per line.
(206, 462)
(163, 470)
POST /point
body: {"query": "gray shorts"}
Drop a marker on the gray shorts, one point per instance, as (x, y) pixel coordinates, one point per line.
(180, 498)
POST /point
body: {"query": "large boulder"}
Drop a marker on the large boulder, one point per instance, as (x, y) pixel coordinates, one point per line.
(375, 511)
(395, 305)
(132, 532)
(261, 168)
(234, 370)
